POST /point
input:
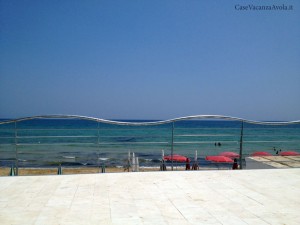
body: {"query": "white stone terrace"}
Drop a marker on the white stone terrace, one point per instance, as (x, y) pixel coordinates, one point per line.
(182, 197)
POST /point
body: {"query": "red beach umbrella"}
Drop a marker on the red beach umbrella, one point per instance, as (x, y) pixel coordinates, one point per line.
(230, 154)
(219, 158)
(261, 154)
(176, 158)
(289, 153)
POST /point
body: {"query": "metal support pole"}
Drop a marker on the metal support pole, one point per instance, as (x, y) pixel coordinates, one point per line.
(59, 170)
(98, 141)
(16, 147)
(137, 165)
(172, 146)
(12, 171)
(241, 145)
(133, 162)
(103, 168)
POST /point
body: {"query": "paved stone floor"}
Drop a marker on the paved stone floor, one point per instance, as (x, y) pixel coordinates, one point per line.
(280, 162)
(184, 197)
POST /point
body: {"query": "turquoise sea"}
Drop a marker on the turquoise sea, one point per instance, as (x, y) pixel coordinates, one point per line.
(75, 142)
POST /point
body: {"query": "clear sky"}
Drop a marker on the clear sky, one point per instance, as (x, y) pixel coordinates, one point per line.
(142, 59)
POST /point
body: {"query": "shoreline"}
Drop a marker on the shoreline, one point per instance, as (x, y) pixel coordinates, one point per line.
(265, 162)
(30, 171)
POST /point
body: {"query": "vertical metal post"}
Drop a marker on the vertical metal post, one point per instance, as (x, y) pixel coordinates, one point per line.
(98, 145)
(59, 170)
(241, 145)
(98, 140)
(172, 146)
(16, 147)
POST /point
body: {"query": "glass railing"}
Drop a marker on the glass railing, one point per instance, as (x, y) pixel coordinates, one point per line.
(63, 141)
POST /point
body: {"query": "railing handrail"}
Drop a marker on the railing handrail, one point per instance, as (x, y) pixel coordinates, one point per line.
(58, 116)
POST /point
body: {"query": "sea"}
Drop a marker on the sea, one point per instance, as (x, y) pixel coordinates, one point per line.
(77, 142)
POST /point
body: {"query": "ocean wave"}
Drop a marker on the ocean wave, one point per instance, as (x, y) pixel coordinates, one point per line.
(22, 160)
(103, 159)
(69, 157)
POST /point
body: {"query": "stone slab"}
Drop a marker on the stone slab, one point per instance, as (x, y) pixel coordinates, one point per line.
(182, 197)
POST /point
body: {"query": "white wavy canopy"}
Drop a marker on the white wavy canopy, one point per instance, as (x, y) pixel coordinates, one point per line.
(149, 123)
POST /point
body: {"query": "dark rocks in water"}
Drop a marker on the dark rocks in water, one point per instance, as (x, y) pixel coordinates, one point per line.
(144, 155)
(114, 164)
(55, 163)
(125, 139)
(71, 164)
(102, 154)
(8, 159)
(156, 160)
(68, 152)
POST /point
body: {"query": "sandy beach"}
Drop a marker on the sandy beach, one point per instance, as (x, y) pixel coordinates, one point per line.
(266, 162)
(5, 171)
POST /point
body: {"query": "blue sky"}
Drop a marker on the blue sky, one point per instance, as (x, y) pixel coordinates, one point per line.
(149, 59)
